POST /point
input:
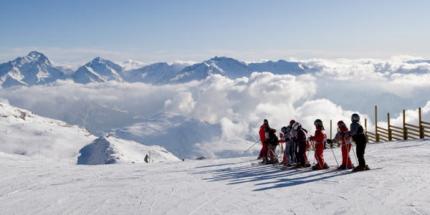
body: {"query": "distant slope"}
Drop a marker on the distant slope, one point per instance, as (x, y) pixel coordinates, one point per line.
(110, 150)
(27, 134)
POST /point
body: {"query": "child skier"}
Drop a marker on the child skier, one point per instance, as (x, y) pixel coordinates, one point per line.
(300, 139)
(360, 139)
(344, 139)
(273, 142)
(320, 139)
(269, 141)
(263, 139)
(289, 154)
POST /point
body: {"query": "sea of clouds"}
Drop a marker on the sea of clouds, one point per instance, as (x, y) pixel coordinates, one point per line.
(220, 117)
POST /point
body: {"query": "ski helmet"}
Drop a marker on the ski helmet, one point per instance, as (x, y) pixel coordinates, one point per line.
(318, 123)
(355, 117)
(341, 124)
(296, 126)
(292, 122)
(284, 130)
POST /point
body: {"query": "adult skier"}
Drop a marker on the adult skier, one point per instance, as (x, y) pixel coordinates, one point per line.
(319, 138)
(300, 139)
(343, 137)
(360, 139)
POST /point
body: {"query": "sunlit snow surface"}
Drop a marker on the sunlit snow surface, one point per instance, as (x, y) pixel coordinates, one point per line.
(398, 184)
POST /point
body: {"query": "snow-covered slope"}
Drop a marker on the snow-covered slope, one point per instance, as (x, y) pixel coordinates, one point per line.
(398, 184)
(98, 70)
(35, 68)
(109, 150)
(25, 133)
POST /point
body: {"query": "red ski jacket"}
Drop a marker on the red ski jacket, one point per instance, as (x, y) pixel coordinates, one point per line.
(320, 136)
(262, 133)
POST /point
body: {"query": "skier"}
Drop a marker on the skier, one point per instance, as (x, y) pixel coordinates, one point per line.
(263, 137)
(286, 137)
(320, 138)
(343, 137)
(273, 142)
(360, 139)
(267, 136)
(292, 145)
(300, 139)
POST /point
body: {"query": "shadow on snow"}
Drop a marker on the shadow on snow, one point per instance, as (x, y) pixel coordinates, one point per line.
(266, 177)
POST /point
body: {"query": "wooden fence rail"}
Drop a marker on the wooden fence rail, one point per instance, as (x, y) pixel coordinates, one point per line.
(391, 132)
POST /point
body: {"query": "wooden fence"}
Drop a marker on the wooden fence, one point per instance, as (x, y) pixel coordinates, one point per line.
(405, 132)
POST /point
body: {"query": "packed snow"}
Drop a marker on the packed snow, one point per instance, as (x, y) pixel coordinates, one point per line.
(398, 183)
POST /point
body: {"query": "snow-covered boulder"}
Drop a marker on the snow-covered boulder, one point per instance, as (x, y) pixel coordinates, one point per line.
(110, 150)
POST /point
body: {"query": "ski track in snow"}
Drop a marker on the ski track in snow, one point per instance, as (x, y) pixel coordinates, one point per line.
(397, 184)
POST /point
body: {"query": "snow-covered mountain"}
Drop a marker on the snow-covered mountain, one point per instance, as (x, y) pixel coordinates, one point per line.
(278, 67)
(218, 65)
(27, 134)
(110, 150)
(98, 70)
(131, 64)
(156, 73)
(35, 68)
(233, 68)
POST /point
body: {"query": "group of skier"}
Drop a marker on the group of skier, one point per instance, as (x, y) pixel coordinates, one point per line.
(297, 143)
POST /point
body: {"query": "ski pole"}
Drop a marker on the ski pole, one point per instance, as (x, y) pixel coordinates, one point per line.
(334, 156)
(249, 148)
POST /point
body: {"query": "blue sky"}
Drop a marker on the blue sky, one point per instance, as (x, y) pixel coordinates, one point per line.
(166, 30)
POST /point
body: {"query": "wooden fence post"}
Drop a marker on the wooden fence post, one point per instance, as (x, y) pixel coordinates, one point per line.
(376, 125)
(405, 130)
(365, 125)
(420, 123)
(390, 137)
